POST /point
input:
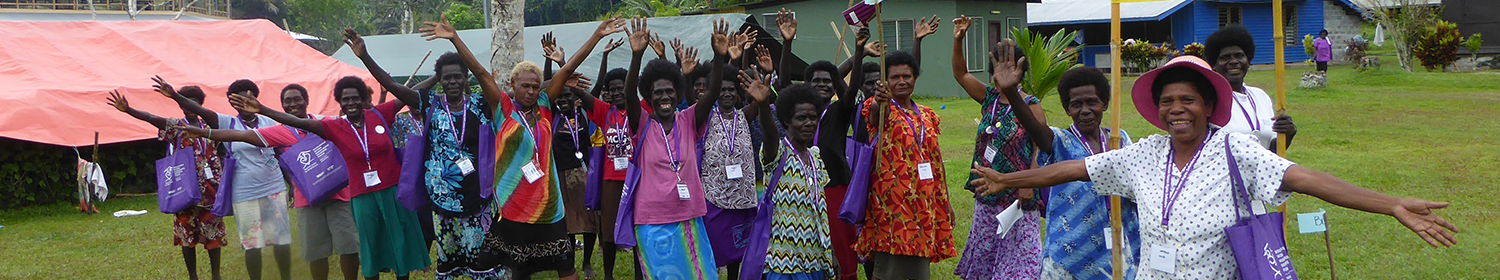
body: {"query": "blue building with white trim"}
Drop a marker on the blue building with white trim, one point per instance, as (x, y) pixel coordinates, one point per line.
(1183, 22)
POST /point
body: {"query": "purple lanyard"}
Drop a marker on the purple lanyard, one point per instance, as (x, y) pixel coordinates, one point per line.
(536, 139)
(804, 165)
(572, 125)
(728, 127)
(672, 149)
(818, 132)
(458, 132)
(1253, 122)
(1102, 135)
(1169, 198)
(364, 141)
(920, 134)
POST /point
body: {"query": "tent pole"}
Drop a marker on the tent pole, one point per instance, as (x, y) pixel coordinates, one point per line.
(1117, 259)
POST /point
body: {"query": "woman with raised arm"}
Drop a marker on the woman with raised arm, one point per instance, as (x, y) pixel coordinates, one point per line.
(1184, 182)
(728, 173)
(257, 186)
(668, 201)
(389, 238)
(195, 225)
(603, 107)
(1007, 140)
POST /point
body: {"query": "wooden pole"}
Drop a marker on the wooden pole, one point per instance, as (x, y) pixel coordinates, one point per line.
(1279, 35)
(1117, 257)
(1328, 245)
(882, 107)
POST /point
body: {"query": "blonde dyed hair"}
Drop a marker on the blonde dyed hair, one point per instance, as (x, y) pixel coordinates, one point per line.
(526, 67)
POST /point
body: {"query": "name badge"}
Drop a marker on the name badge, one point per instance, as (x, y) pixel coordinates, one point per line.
(1257, 208)
(465, 166)
(208, 174)
(531, 171)
(372, 178)
(734, 172)
(1163, 259)
(621, 163)
(924, 171)
(1109, 239)
(990, 152)
(682, 192)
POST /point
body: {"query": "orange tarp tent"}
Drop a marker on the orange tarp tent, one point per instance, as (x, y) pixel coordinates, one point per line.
(55, 76)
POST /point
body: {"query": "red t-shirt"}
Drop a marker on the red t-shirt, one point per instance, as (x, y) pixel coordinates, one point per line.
(617, 137)
(382, 153)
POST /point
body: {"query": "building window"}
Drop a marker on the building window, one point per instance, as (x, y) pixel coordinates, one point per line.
(976, 45)
(897, 34)
(1289, 25)
(768, 22)
(1230, 15)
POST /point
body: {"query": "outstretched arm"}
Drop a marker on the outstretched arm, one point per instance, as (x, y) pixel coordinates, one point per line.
(224, 135)
(721, 43)
(924, 27)
(411, 97)
(760, 92)
(209, 116)
(118, 101)
(1415, 214)
(611, 26)
(788, 25)
(1007, 77)
(968, 82)
(251, 105)
(991, 181)
(639, 38)
(443, 30)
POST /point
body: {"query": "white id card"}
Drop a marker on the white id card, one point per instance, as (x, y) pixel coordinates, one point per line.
(372, 178)
(531, 172)
(924, 171)
(682, 192)
(621, 163)
(1109, 239)
(1163, 259)
(734, 172)
(990, 153)
(208, 174)
(1257, 208)
(465, 166)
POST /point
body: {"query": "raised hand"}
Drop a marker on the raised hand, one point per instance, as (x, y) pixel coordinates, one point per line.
(1417, 215)
(355, 42)
(551, 51)
(579, 82)
(763, 59)
(118, 101)
(926, 26)
(639, 35)
(721, 40)
(438, 30)
(755, 83)
(862, 36)
(788, 24)
(611, 26)
(875, 49)
(613, 44)
(1008, 69)
(961, 26)
(689, 61)
(163, 87)
(244, 103)
(656, 45)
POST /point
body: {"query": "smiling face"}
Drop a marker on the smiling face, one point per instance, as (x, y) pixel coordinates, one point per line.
(700, 87)
(1184, 112)
(823, 82)
(352, 103)
(614, 92)
(567, 101)
(528, 87)
(454, 78)
(1233, 64)
(1085, 107)
(902, 80)
(803, 126)
(663, 98)
(294, 102)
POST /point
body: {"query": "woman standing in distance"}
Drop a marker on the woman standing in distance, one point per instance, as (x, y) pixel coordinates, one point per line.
(1230, 51)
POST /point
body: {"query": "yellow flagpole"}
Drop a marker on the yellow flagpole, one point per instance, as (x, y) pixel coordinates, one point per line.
(1279, 36)
(1117, 259)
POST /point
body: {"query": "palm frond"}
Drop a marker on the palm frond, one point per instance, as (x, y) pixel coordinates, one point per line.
(1048, 57)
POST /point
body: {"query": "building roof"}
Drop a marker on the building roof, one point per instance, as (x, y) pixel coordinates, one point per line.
(1063, 12)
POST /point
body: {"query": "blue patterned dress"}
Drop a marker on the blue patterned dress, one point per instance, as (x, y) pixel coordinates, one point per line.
(463, 217)
(1077, 216)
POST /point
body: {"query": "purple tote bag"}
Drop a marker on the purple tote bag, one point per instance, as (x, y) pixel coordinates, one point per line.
(760, 232)
(593, 190)
(224, 202)
(411, 191)
(1258, 242)
(860, 14)
(861, 157)
(486, 160)
(316, 167)
(177, 182)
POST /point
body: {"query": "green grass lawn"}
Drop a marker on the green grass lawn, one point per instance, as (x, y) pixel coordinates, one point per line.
(1406, 134)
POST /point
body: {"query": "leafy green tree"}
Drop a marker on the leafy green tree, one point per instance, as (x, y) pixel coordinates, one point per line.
(464, 17)
(325, 19)
(1049, 57)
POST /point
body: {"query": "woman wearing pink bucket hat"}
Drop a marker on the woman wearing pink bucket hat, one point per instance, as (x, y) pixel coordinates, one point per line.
(1188, 173)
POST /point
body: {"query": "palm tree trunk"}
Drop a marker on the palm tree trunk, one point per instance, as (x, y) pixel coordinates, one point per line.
(506, 48)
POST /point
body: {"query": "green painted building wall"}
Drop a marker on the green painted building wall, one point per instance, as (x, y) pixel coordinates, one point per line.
(816, 39)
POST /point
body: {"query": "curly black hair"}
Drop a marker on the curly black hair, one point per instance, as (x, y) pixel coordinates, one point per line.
(1183, 74)
(1232, 35)
(352, 82)
(902, 58)
(699, 72)
(192, 92)
(870, 67)
(1079, 77)
(244, 85)
(821, 65)
(297, 87)
(793, 95)
(659, 69)
(450, 58)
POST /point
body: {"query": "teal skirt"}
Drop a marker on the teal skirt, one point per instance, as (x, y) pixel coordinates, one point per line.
(390, 237)
(676, 251)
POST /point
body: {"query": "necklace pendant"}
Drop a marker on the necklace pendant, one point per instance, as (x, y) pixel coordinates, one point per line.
(578, 155)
